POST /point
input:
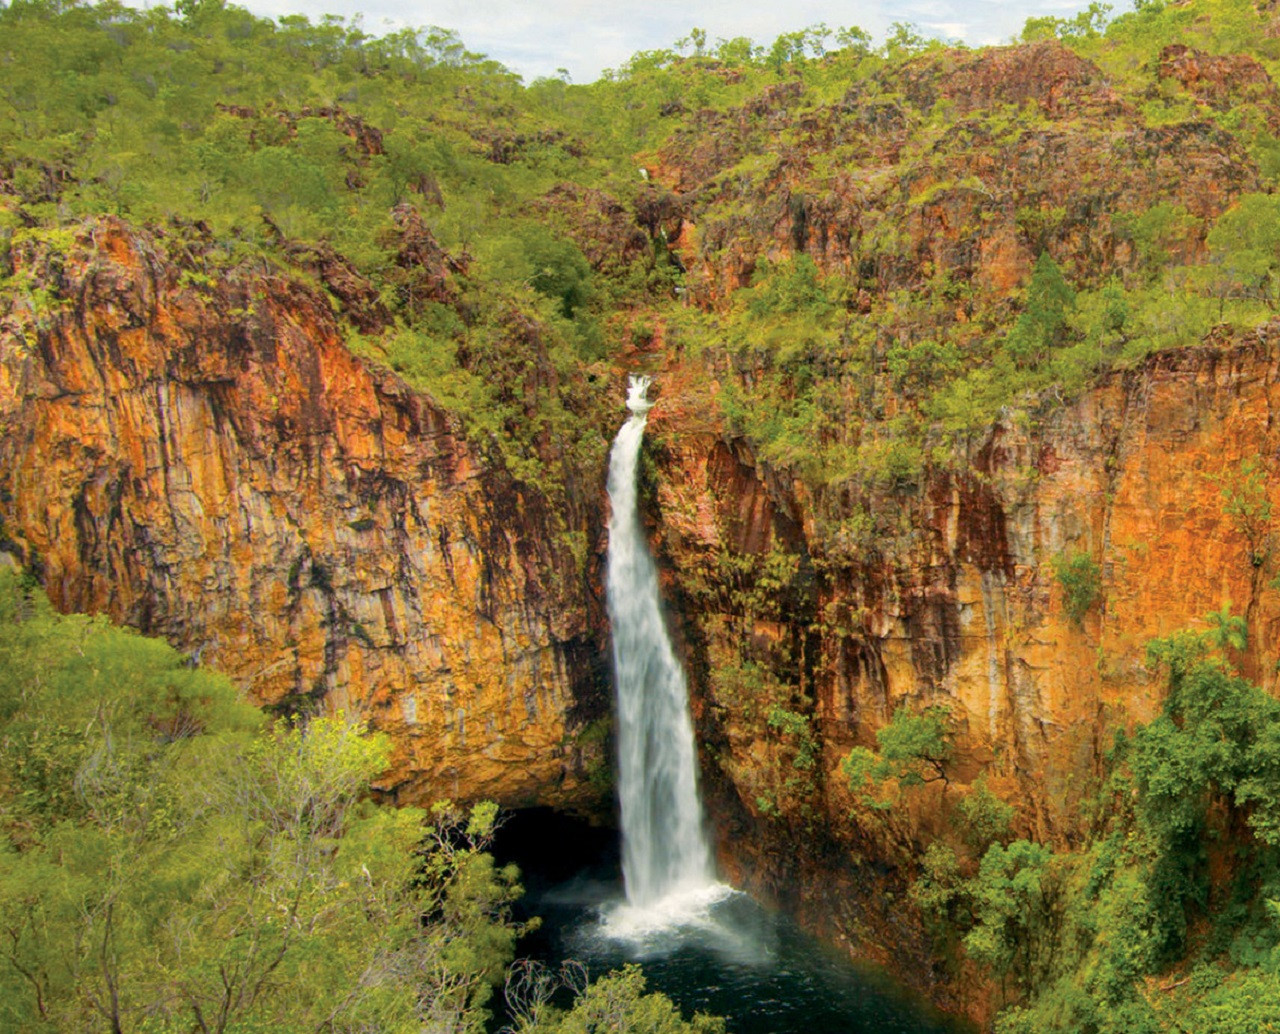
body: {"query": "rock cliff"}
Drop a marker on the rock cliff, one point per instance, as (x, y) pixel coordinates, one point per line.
(965, 604)
(208, 462)
(962, 606)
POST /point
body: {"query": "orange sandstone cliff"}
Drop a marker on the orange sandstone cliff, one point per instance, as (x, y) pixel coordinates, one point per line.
(962, 607)
(211, 464)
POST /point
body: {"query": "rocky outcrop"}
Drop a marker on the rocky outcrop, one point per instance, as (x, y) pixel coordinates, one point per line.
(1060, 83)
(968, 164)
(367, 138)
(198, 455)
(1222, 81)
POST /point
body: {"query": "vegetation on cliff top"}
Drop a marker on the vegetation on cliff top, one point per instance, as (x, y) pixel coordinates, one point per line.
(863, 243)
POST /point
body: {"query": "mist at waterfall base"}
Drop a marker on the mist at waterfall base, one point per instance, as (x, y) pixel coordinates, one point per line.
(709, 947)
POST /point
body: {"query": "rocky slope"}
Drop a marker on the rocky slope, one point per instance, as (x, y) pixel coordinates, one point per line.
(956, 162)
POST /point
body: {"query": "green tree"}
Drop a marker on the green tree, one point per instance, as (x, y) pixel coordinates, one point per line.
(619, 1002)
(1015, 911)
(985, 818)
(904, 40)
(1088, 24)
(854, 39)
(264, 894)
(915, 748)
(1043, 322)
(1244, 249)
(1247, 502)
(1218, 741)
(1081, 580)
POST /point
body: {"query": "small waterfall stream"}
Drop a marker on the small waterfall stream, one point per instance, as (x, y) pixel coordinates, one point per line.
(665, 856)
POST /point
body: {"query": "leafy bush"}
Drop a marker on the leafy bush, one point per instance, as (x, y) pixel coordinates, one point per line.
(915, 748)
(985, 818)
(1081, 580)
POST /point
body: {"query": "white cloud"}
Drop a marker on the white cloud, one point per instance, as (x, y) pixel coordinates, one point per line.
(585, 36)
(948, 30)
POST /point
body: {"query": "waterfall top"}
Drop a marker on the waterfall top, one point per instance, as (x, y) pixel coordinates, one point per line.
(637, 387)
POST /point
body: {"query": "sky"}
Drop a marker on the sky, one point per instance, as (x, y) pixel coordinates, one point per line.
(538, 37)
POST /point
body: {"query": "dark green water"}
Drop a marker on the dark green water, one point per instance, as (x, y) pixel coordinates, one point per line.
(732, 958)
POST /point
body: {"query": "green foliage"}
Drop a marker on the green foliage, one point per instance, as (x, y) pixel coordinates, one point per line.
(1244, 248)
(794, 288)
(783, 332)
(860, 766)
(264, 894)
(940, 891)
(1227, 629)
(1043, 322)
(1088, 24)
(1218, 743)
(1015, 911)
(1081, 580)
(795, 728)
(755, 585)
(1247, 1004)
(918, 368)
(619, 1002)
(915, 748)
(550, 264)
(1156, 234)
(1246, 501)
(985, 818)
(905, 40)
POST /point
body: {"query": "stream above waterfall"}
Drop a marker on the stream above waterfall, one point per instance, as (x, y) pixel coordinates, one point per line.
(736, 959)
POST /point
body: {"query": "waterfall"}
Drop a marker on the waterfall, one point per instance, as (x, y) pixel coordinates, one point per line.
(664, 847)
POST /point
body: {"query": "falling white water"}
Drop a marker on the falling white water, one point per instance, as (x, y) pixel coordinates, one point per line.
(666, 863)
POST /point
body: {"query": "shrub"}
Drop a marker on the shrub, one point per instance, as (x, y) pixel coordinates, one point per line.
(1081, 580)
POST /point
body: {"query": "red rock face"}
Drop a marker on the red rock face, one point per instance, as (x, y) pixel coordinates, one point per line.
(209, 463)
(958, 604)
(1046, 74)
(1221, 81)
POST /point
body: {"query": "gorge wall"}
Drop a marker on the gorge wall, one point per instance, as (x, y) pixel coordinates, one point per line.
(963, 608)
(964, 605)
(216, 467)
(211, 464)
